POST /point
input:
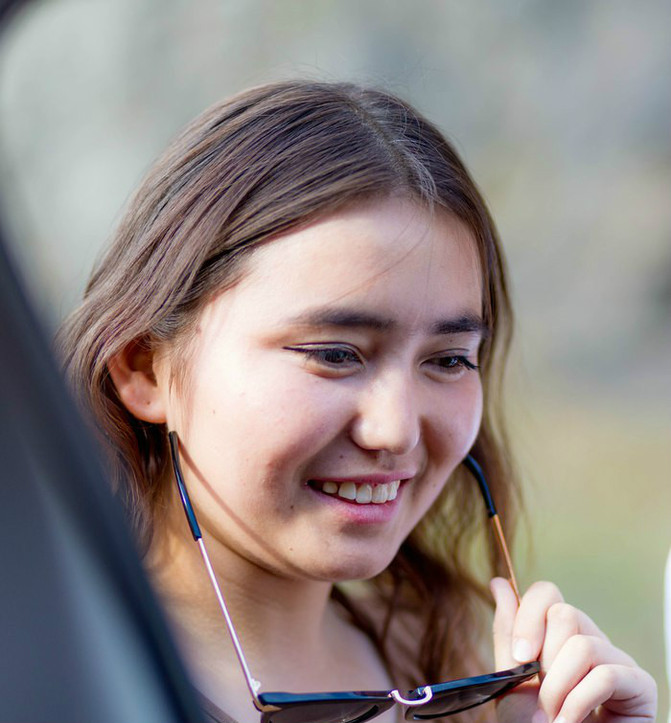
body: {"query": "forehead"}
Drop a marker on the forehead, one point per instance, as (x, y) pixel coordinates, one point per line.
(367, 249)
(391, 258)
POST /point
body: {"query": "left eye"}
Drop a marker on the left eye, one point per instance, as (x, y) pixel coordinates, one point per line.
(453, 364)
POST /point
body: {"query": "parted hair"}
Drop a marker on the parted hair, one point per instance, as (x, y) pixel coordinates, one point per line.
(245, 171)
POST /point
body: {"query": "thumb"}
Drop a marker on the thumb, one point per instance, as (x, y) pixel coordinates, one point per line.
(504, 621)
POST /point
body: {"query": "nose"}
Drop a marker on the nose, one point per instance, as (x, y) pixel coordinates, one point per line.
(388, 418)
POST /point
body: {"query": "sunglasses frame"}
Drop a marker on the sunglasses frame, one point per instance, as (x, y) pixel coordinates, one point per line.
(382, 700)
(272, 702)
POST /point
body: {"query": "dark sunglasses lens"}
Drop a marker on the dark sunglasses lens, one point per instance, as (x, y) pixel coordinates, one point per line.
(454, 701)
(331, 711)
(450, 698)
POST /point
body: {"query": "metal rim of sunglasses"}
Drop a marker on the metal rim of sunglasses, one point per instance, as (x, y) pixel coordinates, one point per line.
(446, 699)
(272, 703)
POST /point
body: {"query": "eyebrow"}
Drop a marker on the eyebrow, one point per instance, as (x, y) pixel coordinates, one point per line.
(352, 318)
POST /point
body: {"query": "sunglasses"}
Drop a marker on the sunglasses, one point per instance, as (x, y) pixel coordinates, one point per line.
(423, 703)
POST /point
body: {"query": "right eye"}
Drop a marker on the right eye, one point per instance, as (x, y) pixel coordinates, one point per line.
(339, 358)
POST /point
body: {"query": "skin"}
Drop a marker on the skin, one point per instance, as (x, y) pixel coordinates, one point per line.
(584, 676)
(348, 351)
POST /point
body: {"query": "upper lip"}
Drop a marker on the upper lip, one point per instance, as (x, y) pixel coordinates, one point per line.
(371, 479)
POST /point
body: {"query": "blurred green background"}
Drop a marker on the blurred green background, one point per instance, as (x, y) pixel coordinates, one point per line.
(562, 111)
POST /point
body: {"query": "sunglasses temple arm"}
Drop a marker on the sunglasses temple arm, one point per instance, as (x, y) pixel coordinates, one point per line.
(252, 683)
(474, 468)
(498, 533)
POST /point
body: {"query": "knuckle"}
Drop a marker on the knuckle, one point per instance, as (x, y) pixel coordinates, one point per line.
(650, 686)
(597, 686)
(649, 681)
(563, 614)
(546, 589)
(605, 676)
(582, 646)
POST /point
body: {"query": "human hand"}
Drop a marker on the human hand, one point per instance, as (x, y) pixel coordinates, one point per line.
(584, 677)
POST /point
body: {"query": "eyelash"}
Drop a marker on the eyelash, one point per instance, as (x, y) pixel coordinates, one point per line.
(455, 362)
(319, 354)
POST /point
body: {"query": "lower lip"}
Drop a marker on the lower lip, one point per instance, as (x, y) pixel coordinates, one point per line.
(366, 514)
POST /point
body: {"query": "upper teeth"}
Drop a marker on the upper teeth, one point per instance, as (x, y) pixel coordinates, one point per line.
(363, 494)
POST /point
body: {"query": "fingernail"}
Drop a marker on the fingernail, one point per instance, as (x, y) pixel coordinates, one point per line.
(539, 717)
(561, 719)
(522, 650)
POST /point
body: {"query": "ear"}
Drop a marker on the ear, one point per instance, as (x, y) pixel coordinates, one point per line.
(133, 374)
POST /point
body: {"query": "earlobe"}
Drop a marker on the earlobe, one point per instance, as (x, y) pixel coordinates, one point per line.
(133, 374)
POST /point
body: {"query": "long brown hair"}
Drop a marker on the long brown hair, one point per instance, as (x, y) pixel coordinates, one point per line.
(246, 170)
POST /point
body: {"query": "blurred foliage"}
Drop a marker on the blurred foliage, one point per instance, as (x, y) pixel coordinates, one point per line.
(562, 112)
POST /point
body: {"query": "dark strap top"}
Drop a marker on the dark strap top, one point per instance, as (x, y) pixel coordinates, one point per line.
(212, 713)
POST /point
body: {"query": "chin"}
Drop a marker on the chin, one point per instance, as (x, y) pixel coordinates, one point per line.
(354, 567)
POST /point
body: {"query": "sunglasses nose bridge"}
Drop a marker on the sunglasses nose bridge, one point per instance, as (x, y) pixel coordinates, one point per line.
(427, 695)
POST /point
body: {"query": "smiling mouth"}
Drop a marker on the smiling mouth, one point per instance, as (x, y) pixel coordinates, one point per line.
(361, 494)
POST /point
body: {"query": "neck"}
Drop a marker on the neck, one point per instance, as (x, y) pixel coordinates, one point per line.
(283, 624)
(293, 636)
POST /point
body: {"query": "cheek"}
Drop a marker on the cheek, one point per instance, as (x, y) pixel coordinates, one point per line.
(268, 423)
(472, 416)
(304, 421)
(447, 444)
(457, 422)
(464, 412)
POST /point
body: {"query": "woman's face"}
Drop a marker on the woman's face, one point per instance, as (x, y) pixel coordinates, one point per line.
(333, 390)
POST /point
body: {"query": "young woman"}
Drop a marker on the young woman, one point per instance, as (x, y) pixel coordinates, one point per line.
(308, 292)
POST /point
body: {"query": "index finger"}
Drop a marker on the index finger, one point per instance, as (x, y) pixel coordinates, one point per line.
(528, 633)
(544, 622)
(504, 622)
